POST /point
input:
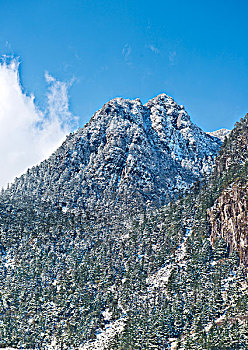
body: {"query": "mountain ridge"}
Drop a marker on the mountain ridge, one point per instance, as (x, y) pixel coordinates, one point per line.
(156, 279)
(146, 153)
(220, 133)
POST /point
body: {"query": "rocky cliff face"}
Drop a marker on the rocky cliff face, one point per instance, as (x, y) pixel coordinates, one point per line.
(127, 153)
(229, 219)
(228, 216)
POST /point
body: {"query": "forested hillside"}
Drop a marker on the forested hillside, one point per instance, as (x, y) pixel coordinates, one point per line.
(154, 278)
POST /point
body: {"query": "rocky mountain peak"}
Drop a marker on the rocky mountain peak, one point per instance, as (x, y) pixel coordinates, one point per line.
(120, 108)
(128, 151)
(161, 107)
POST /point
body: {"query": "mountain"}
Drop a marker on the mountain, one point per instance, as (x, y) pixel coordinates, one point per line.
(171, 276)
(129, 154)
(220, 134)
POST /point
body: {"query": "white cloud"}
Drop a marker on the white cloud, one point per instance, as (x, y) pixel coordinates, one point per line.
(58, 102)
(126, 51)
(27, 134)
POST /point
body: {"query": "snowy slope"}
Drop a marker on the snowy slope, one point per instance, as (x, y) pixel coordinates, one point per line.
(128, 153)
(220, 134)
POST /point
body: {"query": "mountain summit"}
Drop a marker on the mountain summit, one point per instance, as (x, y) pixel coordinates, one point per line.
(81, 269)
(127, 153)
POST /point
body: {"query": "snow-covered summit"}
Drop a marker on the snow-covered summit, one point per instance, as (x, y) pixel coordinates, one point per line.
(121, 108)
(127, 153)
(220, 134)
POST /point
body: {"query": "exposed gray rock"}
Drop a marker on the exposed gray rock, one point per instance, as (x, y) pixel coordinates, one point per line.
(229, 219)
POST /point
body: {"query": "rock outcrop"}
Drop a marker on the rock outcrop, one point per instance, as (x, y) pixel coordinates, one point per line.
(229, 219)
(228, 216)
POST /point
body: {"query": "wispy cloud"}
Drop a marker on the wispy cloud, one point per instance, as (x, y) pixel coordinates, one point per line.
(154, 49)
(126, 51)
(58, 102)
(172, 57)
(27, 134)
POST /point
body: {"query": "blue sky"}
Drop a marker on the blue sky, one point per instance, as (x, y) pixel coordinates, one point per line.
(195, 51)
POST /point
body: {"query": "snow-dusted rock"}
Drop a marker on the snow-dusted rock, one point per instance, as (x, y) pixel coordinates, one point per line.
(129, 154)
(220, 134)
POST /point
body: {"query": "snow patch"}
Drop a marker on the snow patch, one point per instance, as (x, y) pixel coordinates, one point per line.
(162, 276)
(104, 337)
